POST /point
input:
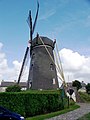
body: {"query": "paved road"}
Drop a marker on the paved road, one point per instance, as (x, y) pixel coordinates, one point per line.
(74, 115)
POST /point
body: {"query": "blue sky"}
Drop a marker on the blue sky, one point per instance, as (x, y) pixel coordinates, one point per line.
(67, 21)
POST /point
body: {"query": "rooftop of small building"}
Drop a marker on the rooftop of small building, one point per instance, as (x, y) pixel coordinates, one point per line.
(9, 83)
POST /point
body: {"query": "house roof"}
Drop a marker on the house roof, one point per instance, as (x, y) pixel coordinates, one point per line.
(6, 84)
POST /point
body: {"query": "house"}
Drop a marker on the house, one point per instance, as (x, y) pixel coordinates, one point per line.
(5, 84)
(83, 89)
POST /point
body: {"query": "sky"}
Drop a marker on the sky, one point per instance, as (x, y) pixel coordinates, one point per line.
(67, 21)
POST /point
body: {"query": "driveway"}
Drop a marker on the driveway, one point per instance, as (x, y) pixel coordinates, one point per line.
(75, 114)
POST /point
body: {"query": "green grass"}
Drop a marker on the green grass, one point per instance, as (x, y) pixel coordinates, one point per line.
(85, 97)
(85, 117)
(45, 116)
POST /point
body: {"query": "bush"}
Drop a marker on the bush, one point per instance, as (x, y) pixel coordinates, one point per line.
(71, 102)
(88, 88)
(30, 103)
(76, 84)
(13, 88)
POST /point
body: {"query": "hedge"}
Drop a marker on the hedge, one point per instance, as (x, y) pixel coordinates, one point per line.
(13, 88)
(32, 103)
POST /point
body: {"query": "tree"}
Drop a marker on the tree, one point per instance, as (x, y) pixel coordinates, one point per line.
(13, 88)
(77, 84)
(88, 88)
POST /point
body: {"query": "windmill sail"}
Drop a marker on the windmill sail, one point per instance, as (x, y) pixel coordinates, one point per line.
(32, 28)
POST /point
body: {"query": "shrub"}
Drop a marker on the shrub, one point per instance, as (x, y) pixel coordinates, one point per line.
(76, 84)
(71, 102)
(88, 88)
(13, 88)
(31, 103)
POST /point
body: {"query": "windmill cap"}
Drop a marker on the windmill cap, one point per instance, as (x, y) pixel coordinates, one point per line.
(41, 41)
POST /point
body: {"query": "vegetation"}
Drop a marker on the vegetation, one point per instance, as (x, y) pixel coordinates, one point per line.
(76, 84)
(84, 97)
(33, 103)
(53, 114)
(85, 117)
(88, 88)
(13, 88)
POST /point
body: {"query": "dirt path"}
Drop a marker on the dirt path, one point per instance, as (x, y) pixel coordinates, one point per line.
(74, 115)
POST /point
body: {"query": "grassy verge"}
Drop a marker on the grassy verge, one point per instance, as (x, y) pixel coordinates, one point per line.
(85, 97)
(42, 117)
(85, 117)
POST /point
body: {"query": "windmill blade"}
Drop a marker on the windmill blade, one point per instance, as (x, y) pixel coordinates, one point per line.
(32, 28)
(35, 18)
(23, 63)
(27, 49)
(30, 19)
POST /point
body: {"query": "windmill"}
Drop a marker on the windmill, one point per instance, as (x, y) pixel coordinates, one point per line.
(29, 47)
(42, 71)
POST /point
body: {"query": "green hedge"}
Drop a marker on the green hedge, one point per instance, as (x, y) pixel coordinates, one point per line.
(32, 103)
(13, 88)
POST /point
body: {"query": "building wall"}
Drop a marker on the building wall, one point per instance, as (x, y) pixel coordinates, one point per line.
(2, 89)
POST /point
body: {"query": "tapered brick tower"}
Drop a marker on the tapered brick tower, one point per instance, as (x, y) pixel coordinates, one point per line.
(42, 73)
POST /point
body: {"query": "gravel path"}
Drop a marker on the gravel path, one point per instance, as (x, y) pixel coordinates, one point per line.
(74, 115)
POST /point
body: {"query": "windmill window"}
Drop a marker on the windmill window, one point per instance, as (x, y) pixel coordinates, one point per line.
(54, 81)
(51, 67)
(31, 66)
(30, 83)
(33, 55)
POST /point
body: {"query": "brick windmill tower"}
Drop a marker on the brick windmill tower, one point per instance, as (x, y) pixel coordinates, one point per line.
(42, 71)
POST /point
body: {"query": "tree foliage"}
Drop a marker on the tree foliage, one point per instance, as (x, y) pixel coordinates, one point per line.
(13, 88)
(88, 88)
(77, 84)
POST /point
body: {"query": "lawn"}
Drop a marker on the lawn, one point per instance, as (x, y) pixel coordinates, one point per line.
(42, 117)
(85, 117)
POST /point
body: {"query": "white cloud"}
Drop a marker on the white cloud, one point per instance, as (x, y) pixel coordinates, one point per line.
(10, 73)
(75, 66)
